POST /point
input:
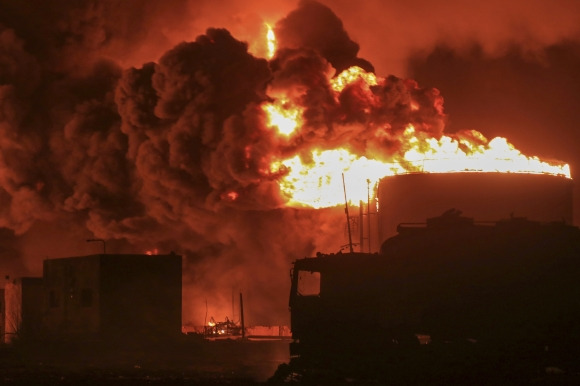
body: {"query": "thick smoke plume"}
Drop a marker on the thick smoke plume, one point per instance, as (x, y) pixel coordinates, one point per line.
(164, 145)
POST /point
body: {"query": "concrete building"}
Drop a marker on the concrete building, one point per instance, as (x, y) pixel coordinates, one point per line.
(110, 295)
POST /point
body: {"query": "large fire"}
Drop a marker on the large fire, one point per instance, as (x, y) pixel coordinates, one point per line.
(283, 115)
(315, 179)
(199, 141)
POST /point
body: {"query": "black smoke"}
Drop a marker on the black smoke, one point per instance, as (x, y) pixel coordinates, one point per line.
(174, 153)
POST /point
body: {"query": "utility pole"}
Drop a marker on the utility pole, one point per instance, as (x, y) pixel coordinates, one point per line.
(347, 216)
(242, 316)
(369, 212)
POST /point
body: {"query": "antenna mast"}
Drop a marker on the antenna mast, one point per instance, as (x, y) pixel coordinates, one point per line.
(369, 212)
(347, 216)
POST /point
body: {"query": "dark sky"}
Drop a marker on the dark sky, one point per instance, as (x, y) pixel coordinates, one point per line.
(131, 121)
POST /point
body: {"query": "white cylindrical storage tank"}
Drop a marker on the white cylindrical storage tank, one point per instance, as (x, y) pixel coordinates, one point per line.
(412, 198)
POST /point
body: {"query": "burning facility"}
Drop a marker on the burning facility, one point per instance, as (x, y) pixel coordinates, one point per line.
(212, 146)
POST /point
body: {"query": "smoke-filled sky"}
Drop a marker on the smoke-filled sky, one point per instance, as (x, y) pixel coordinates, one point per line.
(131, 120)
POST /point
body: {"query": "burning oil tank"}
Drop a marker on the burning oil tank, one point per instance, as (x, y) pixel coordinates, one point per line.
(484, 196)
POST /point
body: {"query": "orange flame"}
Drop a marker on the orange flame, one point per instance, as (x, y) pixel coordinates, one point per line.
(315, 180)
(283, 116)
(350, 76)
(270, 42)
(318, 184)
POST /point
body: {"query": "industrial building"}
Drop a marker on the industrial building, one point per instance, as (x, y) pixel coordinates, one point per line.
(111, 296)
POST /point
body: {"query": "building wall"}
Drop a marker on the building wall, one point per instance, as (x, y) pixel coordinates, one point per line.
(141, 295)
(113, 295)
(71, 295)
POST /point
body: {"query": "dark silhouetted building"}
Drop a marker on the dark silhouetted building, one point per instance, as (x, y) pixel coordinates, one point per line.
(23, 308)
(2, 316)
(493, 292)
(111, 295)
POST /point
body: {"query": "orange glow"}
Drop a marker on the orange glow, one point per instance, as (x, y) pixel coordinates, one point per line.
(448, 155)
(270, 42)
(350, 76)
(152, 252)
(319, 184)
(283, 116)
(314, 179)
(233, 195)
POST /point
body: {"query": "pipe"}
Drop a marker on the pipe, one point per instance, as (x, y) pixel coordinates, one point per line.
(242, 316)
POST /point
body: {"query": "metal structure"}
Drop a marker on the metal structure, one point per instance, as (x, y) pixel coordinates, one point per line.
(227, 329)
(484, 291)
(483, 196)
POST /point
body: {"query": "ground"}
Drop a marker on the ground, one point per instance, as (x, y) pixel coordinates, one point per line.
(183, 361)
(193, 361)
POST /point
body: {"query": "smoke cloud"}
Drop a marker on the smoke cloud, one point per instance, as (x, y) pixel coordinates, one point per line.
(140, 123)
(389, 32)
(315, 26)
